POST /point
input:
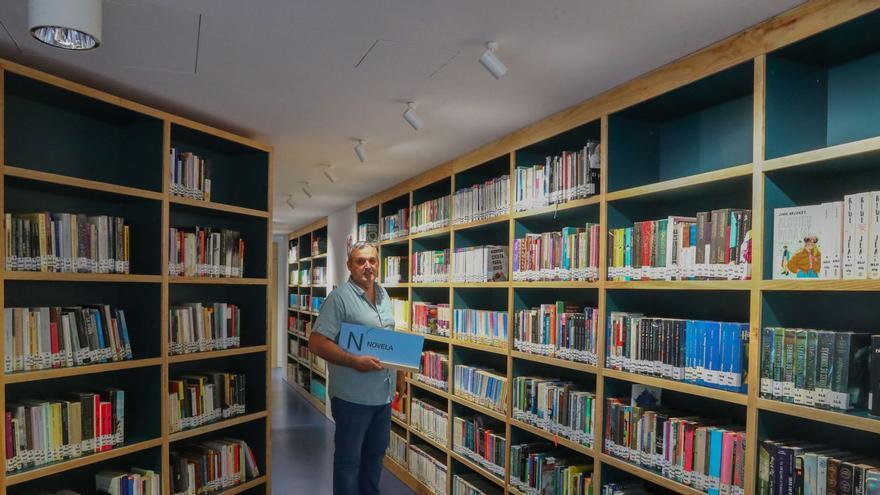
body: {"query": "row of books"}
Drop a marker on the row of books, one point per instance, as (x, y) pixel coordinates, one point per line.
(133, 482)
(400, 309)
(211, 465)
(434, 319)
(318, 275)
(561, 330)
(708, 353)
(475, 438)
(431, 419)
(293, 253)
(817, 368)
(540, 468)
(571, 254)
(625, 487)
(190, 175)
(430, 266)
(301, 301)
(834, 240)
(205, 252)
(427, 468)
(300, 277)
(482, 386)
(393, 270)
(299, 325)
(61, 337)
(472, 484)
(786, 467)
(398, 407)
(66, 242)
(40, 431)
(298, 350)
(368, 232)
(200, 398)
(316, 303)
(395, 225)
(480, 264)
(480, 326)
(434, 369)
(701, 453)
(430, 215)
(319, 363)
(714, 245)
(197, 327)
(482, 201)
(555, 406)
(397, 448)
(319, 245)
(561, 178)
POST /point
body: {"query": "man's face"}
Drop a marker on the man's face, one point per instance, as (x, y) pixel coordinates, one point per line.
(363, 265)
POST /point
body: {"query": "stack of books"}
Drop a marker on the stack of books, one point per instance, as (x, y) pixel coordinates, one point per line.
(194, 466)
(539, 468)
(480, 264)
(434, 319)
(786, 467)
(562, 330)
(428, 468)
(135, 482)
(396, 225)
(434, 369)
(430, 215)
(205, 252)
(475, 438)
(482, 386)
(368, 232)
(201, 398)
(561, 178)
(482, 201)
(190, 175)
(481, 327)
(555, 406)
(397, 448)
(430, 266)
(572, 254)
(197, 327)
(393, 269)
(66, 242)
(713, 245)
(429, 418)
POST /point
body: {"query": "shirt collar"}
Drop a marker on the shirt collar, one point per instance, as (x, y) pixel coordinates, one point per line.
(361, 292)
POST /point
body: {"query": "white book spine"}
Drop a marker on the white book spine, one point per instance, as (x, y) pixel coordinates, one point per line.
(861, 236)
(849, 215)
(874, 236)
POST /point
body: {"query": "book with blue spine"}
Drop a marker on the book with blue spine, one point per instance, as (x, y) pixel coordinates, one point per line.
(715, 442)
(393, 349)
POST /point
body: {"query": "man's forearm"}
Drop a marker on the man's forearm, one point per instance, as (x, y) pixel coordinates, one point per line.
(327, 349)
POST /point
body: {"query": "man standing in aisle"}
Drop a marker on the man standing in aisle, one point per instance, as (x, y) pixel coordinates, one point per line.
(361, 389)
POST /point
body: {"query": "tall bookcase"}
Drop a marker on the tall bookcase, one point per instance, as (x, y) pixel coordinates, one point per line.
(70, 148)
(783, 114)
(306, 373)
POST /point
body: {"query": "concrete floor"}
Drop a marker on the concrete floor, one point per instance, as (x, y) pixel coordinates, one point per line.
(302, 446)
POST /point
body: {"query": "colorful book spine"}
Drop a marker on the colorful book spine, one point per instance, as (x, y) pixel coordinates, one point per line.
(479, 264)
(434, 369)
(482, 201)
(396, 225)
(430, 215)
(434, 319)
(401, 311)
(561, 330)
(212, 465)
(430, 266)
(197, 327)
(190, 175)
(393, 270)
(538, 468)
(555, 406)
(428, 465)
(571, 254)
(482, 441)
(198, 399)
(205, 252)
(368, 232)
(481, 327)
(430, 419)
(135, 481)
(482, 386)
(561, 178)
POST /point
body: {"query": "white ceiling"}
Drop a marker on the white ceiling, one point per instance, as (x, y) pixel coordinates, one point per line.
(288, 72)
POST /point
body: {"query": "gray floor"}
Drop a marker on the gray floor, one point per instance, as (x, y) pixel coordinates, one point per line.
(302, 446)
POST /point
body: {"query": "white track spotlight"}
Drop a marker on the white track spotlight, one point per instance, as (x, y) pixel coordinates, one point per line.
(361, 151)
(290, 202)
(411, 117)
(67, 24)
(328, 172)
(305, 188)
(491, 62)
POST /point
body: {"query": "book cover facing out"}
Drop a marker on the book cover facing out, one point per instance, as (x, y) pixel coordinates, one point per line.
(393, 349)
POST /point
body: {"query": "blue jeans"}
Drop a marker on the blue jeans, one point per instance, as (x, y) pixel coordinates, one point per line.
(361, 439)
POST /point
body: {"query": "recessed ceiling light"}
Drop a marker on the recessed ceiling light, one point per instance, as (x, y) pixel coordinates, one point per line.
(491, 62)
(411, 117)
(68, 24)
(361, 151)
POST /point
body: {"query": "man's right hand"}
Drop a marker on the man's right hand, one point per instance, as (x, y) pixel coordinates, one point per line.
(367, 363)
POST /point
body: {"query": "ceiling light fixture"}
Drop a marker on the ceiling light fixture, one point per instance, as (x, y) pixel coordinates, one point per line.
(491, 62)
(67, 24)
(411, 117)
(328, 172)
(361, 151)
(290, 202)
(305, 188)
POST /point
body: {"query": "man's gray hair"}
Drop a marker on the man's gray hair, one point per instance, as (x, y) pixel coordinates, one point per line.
(361, 245)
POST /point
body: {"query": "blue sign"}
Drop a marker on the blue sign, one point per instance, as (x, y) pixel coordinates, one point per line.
(393, 349)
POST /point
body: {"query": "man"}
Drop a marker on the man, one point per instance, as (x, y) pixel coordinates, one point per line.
(361, 389)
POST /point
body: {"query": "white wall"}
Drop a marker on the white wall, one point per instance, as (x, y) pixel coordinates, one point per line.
(281, 301)
(340, 224)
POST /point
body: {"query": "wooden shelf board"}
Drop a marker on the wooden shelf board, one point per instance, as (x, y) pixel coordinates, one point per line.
(235, 490)
(479, 223)
(399, 422)
(219, 425)
(423, 386)
(31, 376)
(64, 180)
(561, 363)
(822, 154)
(198, 356)
(556, 284)
(480, 409)
(683, 182)
(402, 328)
(60, 467)
(577, 203)
(318, 372)
(319, 256)
(477, 468)
(478, 285)
(399, 285)
(210, 205)
(863, 423)
(582, 449)
(407, 478)
(431, 233)
(479, 347)
(81, 277)
(821, 285)
(687, 388)
(435, 338)
(416, 285)
(396, 240)
(298, 334)
(430, 441)
(218, 281)
(649, 475)
(680, 284)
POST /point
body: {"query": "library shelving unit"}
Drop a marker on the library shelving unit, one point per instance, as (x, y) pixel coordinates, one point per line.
(783, 114)
(70, 148)
(304, 372)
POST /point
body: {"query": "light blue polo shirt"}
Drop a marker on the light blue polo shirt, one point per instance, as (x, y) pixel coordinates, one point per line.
(348, 303)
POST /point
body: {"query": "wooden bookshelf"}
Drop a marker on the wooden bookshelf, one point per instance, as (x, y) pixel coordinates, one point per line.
(747, 78)
(119, 164)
